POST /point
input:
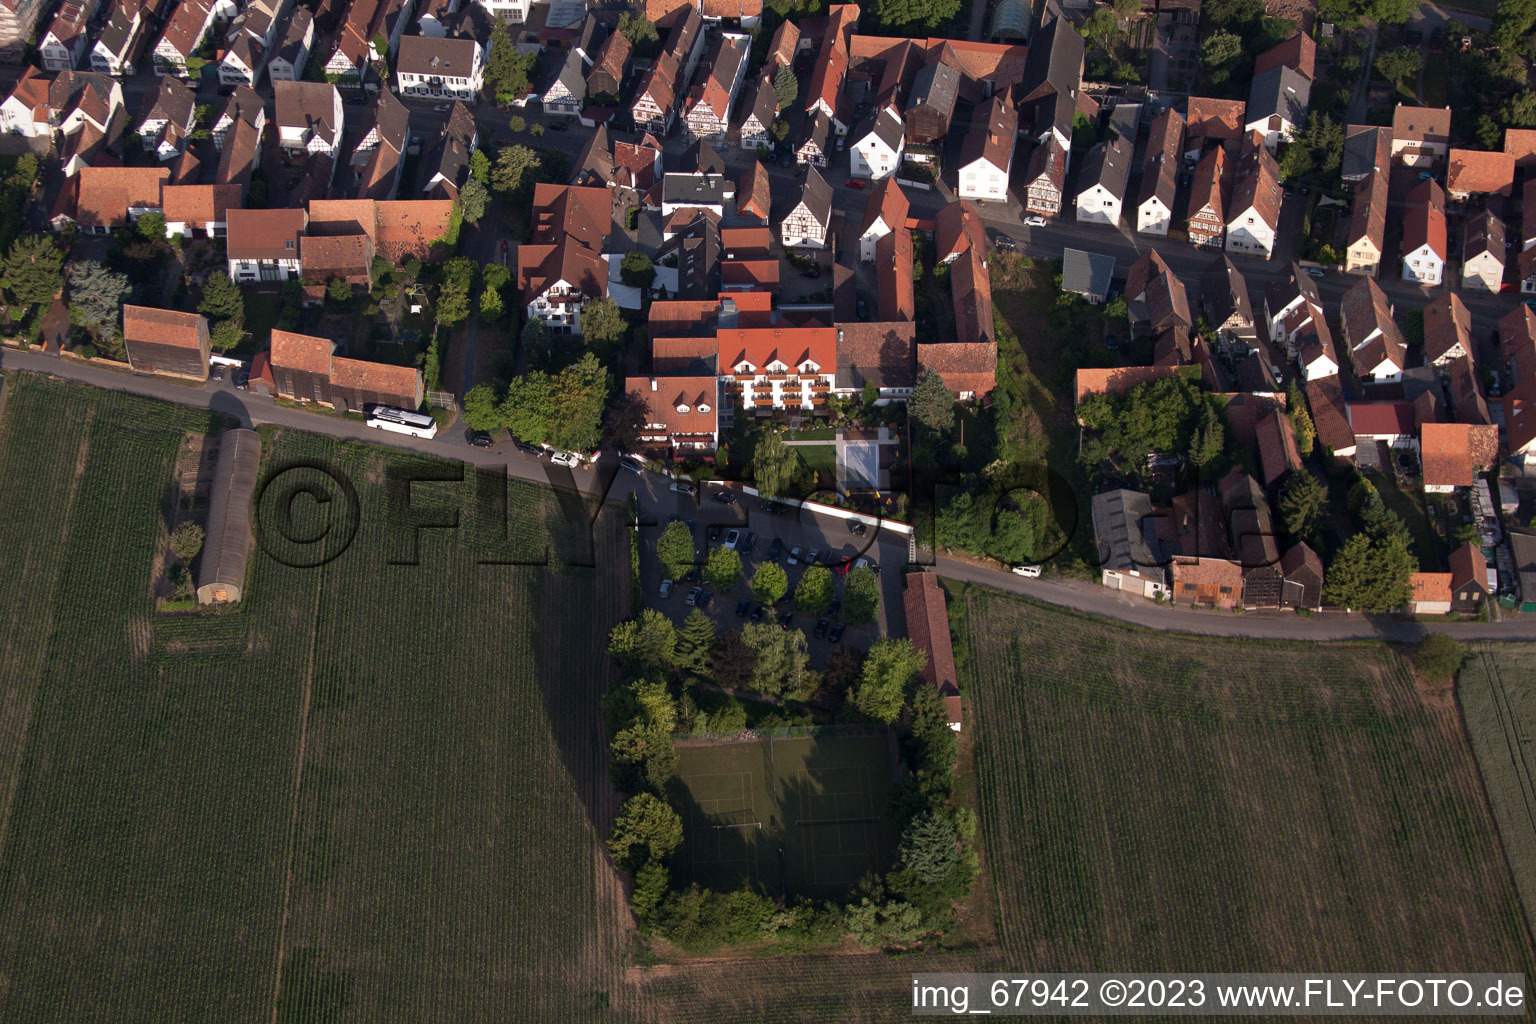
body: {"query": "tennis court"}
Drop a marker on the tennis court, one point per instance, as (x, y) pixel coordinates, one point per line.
(797, 816)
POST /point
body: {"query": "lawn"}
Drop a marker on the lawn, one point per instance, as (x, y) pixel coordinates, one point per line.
(1434, 79)
(1496, 689)
(1153, 801)
(820, 459)
(1430, 552)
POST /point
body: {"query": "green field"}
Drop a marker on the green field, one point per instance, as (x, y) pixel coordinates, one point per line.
(1178, 801)
(1496, 689)
(801, 816)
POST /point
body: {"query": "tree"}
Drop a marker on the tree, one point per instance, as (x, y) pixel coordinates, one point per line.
(814, 592)
(578, 395)
(226, 334)
(222, 298)
(624, 421)
(641, 32)
(1301, 421)
(479, 167)
(1399, 64)
(1438, 656)
(636, 270)
(1210, 440)
(474, 197)
(507, 70)
(883, 923)
(337, 290)
(526, 410)
(491, 308)
(892, 664)
(1099, 28)
(929, 848)
(694, 642)
(932, 403)
(1513, 21)
(723, 568)
(1369, 575)
(861, 596)
(647, 823)
(780, 659)
(452, 303)
(914, 14)
(602, 323)
(151, 227)
(786, 87)
(838, 673)
(649, 640)
(96, 297)
(773, 465)
(674, 549)
(652, 883)
(1219, 53)
(187, 540)
(481, 408)
(515, 169)
(1519, 110)
(779, 129)
(34, 270)
(731, 662)
(1303, 505)
(769, 583)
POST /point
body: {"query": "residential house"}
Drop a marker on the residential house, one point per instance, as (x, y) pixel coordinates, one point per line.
(399, 231)
(783, 47)
(882, 355)
(1129, 554)
(563, 267)
(1420, 135)
(1160, 174)
(1155, 298)
(1464, 391)
(306, 369)
(1253, 214)
(1447, 330)
(606, 79)
(1299, 53)
(1367, 150)
(754, 193)
(694, 251)
(566, 92)
(1469, 579)
(705, 191)
(779, 367)
(165, 118)
(1365, 242)
(708, 107)
(931, 103)
(1290, 301)
(198, 209)
(1474, 172)
(440, 68)
(1252, 539)
(958, 230)
(1517, 344)
(64, 42)
(378, 159)
(762, 109)
(986, 156)
(100, 199)
(260, 20)
(1483, 252)
(243, 63)
(815, 149)
(1277, 104)
(355, 46)
(1228, 308)
(1375, 344)
(681, 414)
(1209, 187)
(928, 627)
(444, 165)
(243, 105)
(806, 224)
(309, 117)
(1424, 237)
(893, 273)
(824, 92)
(18, 20)
(39, 107)
(290, 57)
(263, 245)
(969, 369)
(436, 18)
(1087, 274)
(1102, 181)
(971, 293)
(655, 100)
(1279, 453)
(1046, 178)
(239, 154)
(884, 213)
(1052, 79)
(878, 142)
(167, 342)
(347, 258)
(513, 12)
(185, 32)
(1453, 454)
(1381, 428)
(1431, 593)
(113, 50)
(1211, 124)
(1520, 420)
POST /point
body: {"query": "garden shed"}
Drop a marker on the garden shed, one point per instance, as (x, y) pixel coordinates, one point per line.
(221, 575)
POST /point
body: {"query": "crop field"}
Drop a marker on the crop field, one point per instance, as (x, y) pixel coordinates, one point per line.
(800, 816)
(1496, 689)
(1159, 802)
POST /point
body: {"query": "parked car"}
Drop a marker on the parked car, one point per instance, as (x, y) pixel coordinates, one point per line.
(1035, 221)
(632, 464)
(570, 460)
(243, 381)
(1314, 272)
(837, 632)
(1031, 571)
(691, 575)
(441, 108)
(811, 273)
(480, 439)
(785, 618)
(705, 598)
(857, 527)
(693, 596)
(854, 183)
(557, 126)
(724, 496)
(775, 550)
(837, 606)
(822, 625)
(731, 540)
(759, 612)
(862, 563)
(530, 449)
(666, 589)
(812, 556)
(1002, 241)
(742, 607)
(682, 487)
(863, 309)
(218, 371)
(794, 556)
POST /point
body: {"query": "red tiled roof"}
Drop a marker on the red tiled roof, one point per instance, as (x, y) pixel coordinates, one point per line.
(383, 378)
(686, 405)
(928, 629)
(957, 227)
(1424, 223)
(1215, 119)
(893, 266)
(1468, 566)
(746, 242)
(106, 193)
(301, 352)
(1117, 380)
(265, 234)
(1447, 324)
(1452, 452)
(675, 355)
(679, 316)
(1298, 53)
(198, 204)
(1381, 418)
(1473, 170)
(162, 326)
(753, 194)
(966, 366)
(1431, 587)
(886, 202)
(759, 273)
(1421, 124)
(1520, 143)
(1330, 414)
(793, 347)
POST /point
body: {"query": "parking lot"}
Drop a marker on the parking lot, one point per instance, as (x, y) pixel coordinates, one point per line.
(712, 520)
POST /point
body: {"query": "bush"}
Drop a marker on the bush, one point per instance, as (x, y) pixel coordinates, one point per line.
(1438, 656)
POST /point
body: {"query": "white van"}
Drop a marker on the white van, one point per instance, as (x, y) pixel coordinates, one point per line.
(1032, 571)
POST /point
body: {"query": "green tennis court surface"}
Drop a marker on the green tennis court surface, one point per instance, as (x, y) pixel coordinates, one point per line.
(802, 816)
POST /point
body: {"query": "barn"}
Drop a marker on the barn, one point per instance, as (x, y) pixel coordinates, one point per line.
(221, 576)
(166, 341)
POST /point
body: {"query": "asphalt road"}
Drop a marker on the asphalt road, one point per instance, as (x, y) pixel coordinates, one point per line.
(888, 548)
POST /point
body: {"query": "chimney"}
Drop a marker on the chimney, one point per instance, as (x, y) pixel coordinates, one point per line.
(653, 383)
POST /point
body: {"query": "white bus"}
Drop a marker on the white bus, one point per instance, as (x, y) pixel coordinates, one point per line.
(416, 424)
